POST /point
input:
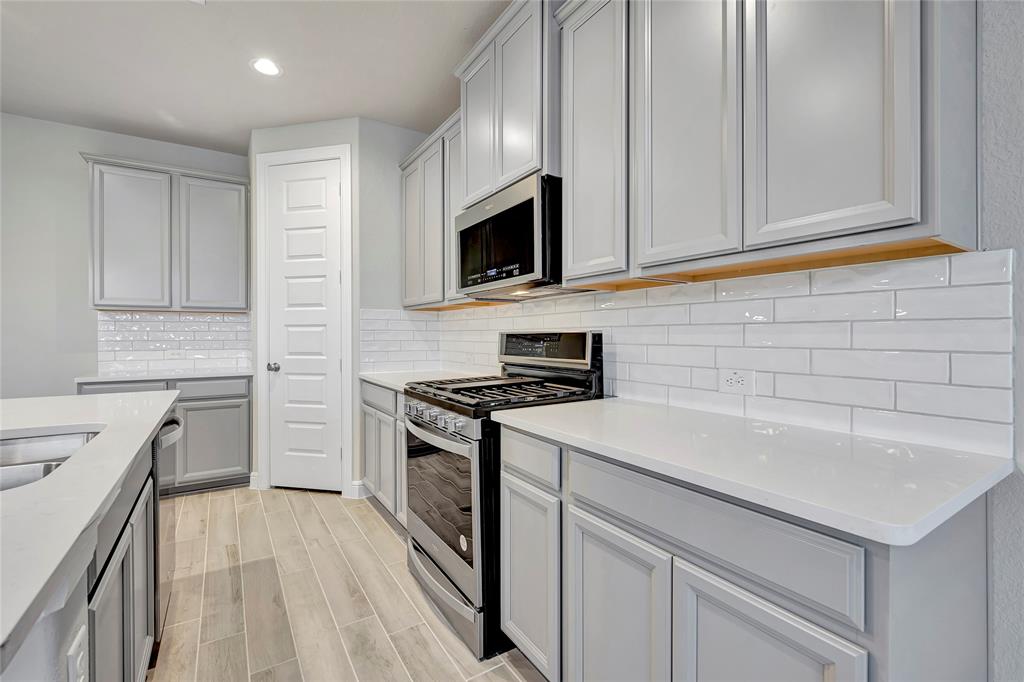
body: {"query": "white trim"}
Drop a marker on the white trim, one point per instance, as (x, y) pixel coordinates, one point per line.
(349, 259)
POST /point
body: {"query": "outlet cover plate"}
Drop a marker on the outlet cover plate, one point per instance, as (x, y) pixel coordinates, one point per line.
(736, 381)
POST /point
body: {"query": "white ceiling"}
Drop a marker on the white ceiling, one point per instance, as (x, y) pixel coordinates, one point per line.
(179, 71)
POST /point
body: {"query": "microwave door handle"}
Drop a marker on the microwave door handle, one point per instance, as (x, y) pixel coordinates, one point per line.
(439, 442)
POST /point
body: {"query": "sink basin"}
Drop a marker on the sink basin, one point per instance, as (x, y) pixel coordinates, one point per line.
(26, 460)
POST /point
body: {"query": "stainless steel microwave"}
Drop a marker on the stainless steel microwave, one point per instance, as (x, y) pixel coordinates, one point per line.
(510, 244)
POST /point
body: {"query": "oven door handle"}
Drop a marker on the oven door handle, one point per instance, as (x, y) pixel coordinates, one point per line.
(439, 442)
(455, 604)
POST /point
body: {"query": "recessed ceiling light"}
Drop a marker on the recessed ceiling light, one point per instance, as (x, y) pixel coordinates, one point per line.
(266, 66)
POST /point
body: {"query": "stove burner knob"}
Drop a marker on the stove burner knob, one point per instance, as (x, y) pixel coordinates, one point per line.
(459, 424)
(449, 423)
(420, 409)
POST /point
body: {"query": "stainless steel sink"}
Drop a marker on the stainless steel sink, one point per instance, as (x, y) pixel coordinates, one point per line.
(26, 460)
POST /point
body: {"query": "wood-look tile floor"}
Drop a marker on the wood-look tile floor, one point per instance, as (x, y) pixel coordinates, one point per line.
(294, 585)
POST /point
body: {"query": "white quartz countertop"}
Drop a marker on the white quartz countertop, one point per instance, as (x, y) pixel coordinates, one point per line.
(48, 528)
(888, 491)
(396, 381)
(165, 376)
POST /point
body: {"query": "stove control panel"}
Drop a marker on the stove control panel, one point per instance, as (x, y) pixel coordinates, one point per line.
(442, 419)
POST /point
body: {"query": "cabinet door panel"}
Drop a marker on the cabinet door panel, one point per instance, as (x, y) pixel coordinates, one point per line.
(714, 619)
(454, 191)
(618, 603)
(687, 164)
(478, 128)
(213, 245)
(143, 575)
(216, 440)
(385, 426)
(432, 244)
(131, 238)
(401, 480)
(517, 54)
(370, 459)
(832, 117)
(412, 233)
(110, 615)
(530, 573)
(594, 140)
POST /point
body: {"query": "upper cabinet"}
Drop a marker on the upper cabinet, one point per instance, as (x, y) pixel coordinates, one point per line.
(832, 117)
(509, 101)
(131, 237)
(165, 238)
(454, 190)
(594, 153)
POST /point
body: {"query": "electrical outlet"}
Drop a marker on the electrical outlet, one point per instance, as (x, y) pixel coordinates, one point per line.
(736, 381)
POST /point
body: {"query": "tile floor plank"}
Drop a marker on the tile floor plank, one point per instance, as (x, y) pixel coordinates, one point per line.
(186, 599)
(268, 634)
(282, 672)
(189, 557)
(222, 602)
(222, 534)
(384, 540)
(289, 548)
(308, 518)
(193, 516)
(254, 537)
(388, 600)
(337, 519)
(178, 650)
(372, 654)
(320, 651)
(522, 667)
(274, 500)
(423, 656)
(244, 496)
(500, 674)
(223, 660)
(344, 594)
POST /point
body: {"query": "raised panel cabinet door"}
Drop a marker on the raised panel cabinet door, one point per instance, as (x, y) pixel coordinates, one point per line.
(371, 459)
(594, 218)
(618, 603)
(387, 459)
(131, 238)
(432, 239)
(412, 234)
(110, 616)
(687, 164)
(723, 633)
(531, 599)
(216, 440)
(213, 245)
(143, 576)
(832, 123)
(517, 64)
(454, 191)
(401, 473)
(477, 98)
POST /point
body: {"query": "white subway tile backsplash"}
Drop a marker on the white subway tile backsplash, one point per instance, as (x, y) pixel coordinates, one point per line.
(817, 415)
(612, 317)
(698, 292)
(660, 374)
(989, 404)
(871, 305)
(954, 302)
(906, 274)
(838, 390)
(899, 365)
(764, 359)
(697, 356)
(982, 267)
(765, 286)
(668, 314)
(731, 311)
(646, 335)
(572, 304)
(982, 370)
(621, 299)
(959, 434)
(705, 378)
(799, 335)
(712, 401)
(707, 335)
(981, 335)
(638, 391)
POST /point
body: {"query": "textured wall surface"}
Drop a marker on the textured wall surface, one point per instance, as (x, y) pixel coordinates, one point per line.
(1002, 226)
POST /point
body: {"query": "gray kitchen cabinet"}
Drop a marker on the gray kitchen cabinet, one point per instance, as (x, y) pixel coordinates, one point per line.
(686, 75)
(167, 238)
(531, 571)
(401, 480)
(517, 89)
(143, 570)
(423, 226)
(595, 231)
(388, 467)
(723, 632)
(820, 159)
(213, 246)
(216, 441)
(454, 191)
(618, 617)
(477, 99)
(131, 237)
(371, 454)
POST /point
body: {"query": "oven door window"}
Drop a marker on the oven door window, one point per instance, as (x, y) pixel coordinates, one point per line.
(498, 248)
(441, 494)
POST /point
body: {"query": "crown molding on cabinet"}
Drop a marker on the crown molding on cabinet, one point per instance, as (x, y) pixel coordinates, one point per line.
(165, 168)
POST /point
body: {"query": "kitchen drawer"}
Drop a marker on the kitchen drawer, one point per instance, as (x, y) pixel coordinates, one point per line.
(383, 399)
(122, 387)
(536, 459)
(817, 570)
(212, 388)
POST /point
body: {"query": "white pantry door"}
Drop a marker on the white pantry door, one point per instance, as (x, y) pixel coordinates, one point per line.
(305, 324)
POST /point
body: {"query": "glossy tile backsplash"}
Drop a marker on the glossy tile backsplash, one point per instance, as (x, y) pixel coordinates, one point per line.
(135, 343)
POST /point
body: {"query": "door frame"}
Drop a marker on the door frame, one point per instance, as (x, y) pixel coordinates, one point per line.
(349, 262)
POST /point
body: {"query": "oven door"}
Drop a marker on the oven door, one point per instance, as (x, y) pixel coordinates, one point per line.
(443, 493)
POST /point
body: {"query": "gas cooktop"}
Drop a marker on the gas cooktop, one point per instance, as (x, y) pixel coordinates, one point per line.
(489, 392)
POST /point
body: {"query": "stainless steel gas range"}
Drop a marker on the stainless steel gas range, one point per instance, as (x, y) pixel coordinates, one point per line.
(453, 466)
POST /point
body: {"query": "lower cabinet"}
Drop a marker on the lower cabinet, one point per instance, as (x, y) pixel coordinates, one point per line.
(714, 619)
(121, 610)
(401, 481)
(618, 603)
(380, 466)
(216, 441)
(530, 570)
(371, 454)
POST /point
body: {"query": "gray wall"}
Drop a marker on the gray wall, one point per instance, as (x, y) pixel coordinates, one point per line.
(1002, 226)
(47, 329)
(377, 149)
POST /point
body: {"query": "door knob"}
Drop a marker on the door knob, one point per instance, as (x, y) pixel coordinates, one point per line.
(273, 367)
